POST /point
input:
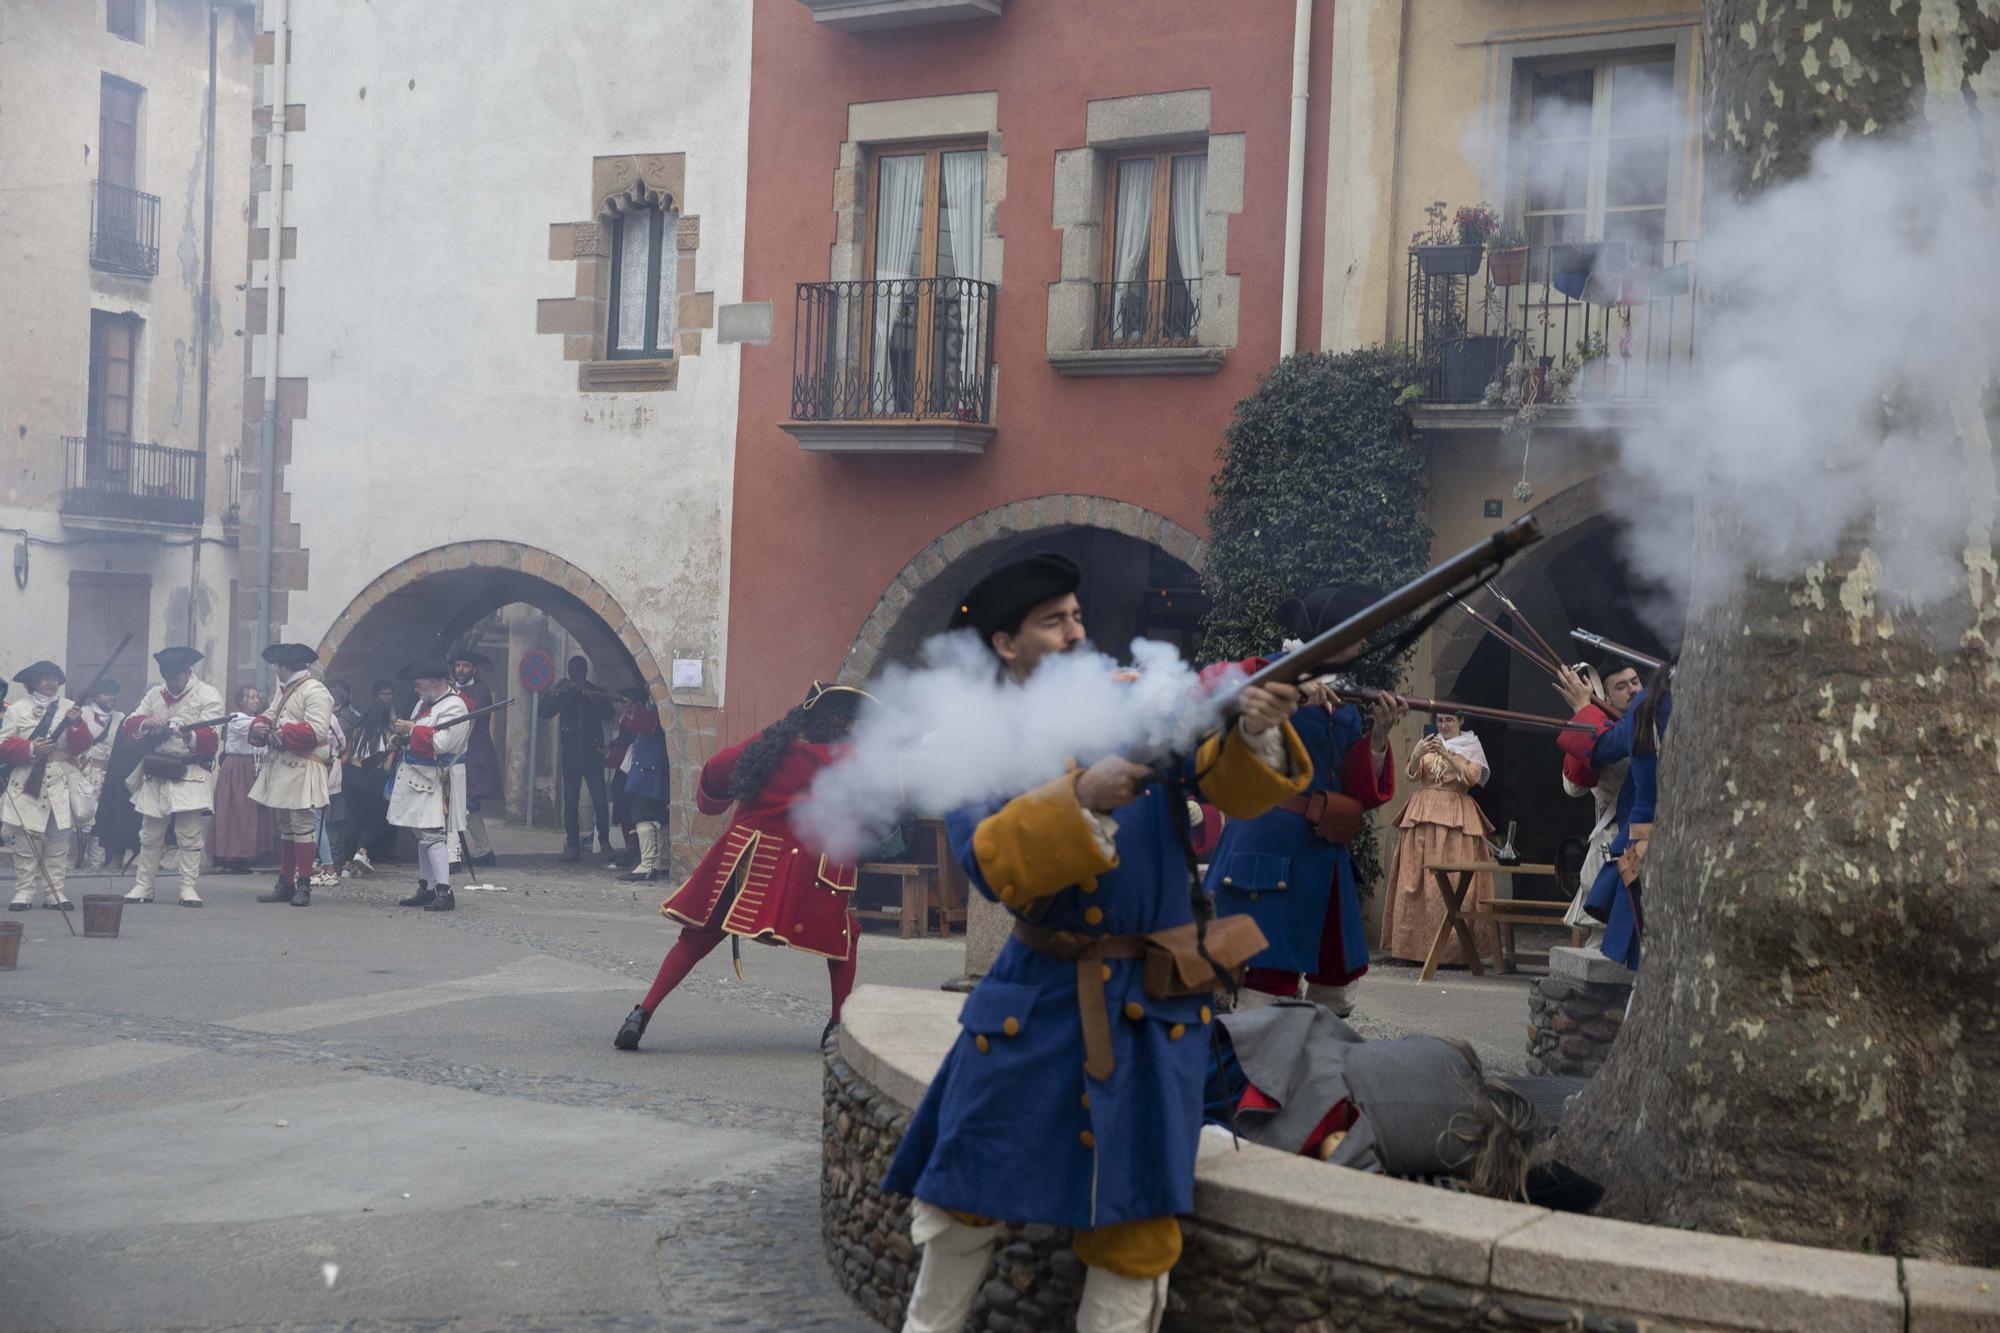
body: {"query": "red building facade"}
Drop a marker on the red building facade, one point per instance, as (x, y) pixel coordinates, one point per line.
(1023, 263)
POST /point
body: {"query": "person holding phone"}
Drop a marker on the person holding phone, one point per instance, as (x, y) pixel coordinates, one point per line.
(1441, 825)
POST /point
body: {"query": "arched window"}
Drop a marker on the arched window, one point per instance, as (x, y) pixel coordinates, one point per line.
(644, 281)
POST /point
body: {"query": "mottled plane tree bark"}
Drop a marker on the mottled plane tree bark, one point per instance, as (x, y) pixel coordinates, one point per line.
(1813, 1053)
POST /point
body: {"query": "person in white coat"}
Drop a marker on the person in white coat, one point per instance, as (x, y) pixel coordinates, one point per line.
(429, 795)
(173, 786)
(296, 733)
(102, 716)
(39, 822)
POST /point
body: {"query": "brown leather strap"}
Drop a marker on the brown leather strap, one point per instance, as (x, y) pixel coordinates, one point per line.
(1312, 805)
(1092, 1010)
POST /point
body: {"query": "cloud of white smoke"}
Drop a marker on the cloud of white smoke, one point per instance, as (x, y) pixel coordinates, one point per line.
(1848, 349)
(951, 732)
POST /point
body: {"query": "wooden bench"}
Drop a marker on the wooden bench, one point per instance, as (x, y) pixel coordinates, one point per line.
(929, 888)
(1454, 881)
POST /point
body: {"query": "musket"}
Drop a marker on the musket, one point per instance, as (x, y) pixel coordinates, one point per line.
(1492, 627)
(1599, 642)
(32, 784)
(1507, 715)
(1455, 575)
(493, 707)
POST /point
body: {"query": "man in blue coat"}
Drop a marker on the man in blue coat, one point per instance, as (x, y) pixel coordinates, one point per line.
(1616, 896)
(1072, 1097)
(1291, 869)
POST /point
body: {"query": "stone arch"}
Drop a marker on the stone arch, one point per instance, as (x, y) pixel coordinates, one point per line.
(451, 588)
(917, 602)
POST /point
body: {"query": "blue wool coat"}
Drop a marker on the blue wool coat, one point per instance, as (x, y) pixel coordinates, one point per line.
(1274, 869)
(648, 774)
(1012, 1128)
(1610, 900)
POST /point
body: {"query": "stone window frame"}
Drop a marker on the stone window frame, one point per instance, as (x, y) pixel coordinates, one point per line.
(619, 184)
(1113, 126)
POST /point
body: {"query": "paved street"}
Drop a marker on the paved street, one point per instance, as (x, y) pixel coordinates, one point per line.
(256, 1115)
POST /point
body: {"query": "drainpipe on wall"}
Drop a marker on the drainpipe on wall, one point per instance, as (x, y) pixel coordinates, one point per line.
(205, 325)
(274, 156)
(1295, 176)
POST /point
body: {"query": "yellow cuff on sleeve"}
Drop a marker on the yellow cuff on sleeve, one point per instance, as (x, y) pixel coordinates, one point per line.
(1240, 784)
(1040, 843)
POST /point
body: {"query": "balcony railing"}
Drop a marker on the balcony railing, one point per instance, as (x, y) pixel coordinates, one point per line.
(1578, 321)
(142, 483)
(124, 230)
(898, 349)
(1165, 313)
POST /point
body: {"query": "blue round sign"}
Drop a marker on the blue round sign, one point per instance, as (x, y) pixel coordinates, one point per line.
(537, 671)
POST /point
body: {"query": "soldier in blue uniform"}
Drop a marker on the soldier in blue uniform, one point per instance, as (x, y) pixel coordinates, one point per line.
(1291, 869)
(1617, 896)
(1072, 1097)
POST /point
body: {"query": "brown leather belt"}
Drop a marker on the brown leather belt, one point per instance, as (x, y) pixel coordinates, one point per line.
(1312, 805)
(1088, 953)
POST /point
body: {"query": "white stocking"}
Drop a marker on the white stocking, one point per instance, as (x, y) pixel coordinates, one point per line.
(956, 1260)
(1114, 1304)
(1340, 999)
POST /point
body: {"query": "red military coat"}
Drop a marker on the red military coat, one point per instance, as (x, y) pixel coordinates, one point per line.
(787, 894)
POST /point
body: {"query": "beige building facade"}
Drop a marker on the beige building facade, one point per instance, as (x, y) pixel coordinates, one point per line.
(124, 154)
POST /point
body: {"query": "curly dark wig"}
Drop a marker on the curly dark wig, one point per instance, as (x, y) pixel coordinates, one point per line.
(821, 724)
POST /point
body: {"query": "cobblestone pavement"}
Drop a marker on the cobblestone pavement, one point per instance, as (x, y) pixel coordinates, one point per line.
(359, 1116)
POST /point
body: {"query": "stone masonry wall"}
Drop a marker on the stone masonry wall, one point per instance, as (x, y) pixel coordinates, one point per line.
(1571, 1025)
(1226, 1280)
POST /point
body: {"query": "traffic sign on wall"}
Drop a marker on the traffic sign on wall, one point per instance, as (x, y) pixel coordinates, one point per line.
(537, 671)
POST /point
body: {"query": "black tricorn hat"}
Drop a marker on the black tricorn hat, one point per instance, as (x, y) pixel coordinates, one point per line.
(175, 660)
(1324, 607)
(424, 668)
(472, 655)
(999, 602)
(34, 671)
(291, 655)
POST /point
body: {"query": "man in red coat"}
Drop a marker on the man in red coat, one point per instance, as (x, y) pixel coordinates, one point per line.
(758, 882)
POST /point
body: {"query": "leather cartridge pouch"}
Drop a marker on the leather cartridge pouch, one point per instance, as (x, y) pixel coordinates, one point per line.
(1174, 967)
(164, 767)
(1633, 858)
(1335, 817)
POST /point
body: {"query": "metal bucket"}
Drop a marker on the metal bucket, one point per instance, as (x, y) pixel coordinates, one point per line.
(101, 913)
(10, 945)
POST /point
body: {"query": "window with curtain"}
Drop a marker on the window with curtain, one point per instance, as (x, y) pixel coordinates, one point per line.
(645, 273)
(1152, 290)
(1594, 147)
(927, 311)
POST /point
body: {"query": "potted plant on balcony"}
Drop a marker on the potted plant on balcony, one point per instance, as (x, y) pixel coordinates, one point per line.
(1507, 256)
(1452, 245)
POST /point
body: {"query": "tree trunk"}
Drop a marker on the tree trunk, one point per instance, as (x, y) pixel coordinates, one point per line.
(1813, 1052)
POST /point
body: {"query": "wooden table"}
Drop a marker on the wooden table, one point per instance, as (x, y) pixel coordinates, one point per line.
(934, 885)
(1504, 913)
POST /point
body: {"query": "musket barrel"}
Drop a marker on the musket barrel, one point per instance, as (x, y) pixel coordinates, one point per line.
(1612, 646)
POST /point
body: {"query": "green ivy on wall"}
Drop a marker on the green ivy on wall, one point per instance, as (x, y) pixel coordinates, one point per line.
(1319, 483)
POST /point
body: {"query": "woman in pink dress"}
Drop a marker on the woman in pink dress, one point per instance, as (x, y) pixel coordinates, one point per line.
(242, 832)
(1441, 825)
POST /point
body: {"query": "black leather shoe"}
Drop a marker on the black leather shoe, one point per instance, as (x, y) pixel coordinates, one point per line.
(302, 896)
(639, 876)
(441, 901)
(18, 907)
(421, 898)
(281, 892)
(490, 859)
(827, 1031)
(635, 1028)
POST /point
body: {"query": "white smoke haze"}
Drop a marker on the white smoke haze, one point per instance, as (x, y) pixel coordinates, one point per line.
(951, 732)
(1850, 329)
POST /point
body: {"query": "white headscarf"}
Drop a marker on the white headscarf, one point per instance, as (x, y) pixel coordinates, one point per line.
(1466, 746)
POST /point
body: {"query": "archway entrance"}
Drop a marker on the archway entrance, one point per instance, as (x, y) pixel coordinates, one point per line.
(1141, 576)
(505, 599)
(1577, 577)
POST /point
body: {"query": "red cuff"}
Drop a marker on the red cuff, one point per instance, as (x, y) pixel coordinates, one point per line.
(1363, 779)
(205, 741)
(298, 737)
(1576, 745)
(15, 750)
(130, 731)
(78, 738)
(423, 741)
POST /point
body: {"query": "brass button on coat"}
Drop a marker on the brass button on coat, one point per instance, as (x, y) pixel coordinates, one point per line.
(981, 1043)
(1135, 1011)
(1104, 971)
(1093, 916)
(1205, 1015)
(1176, 1032)
(1089, 1139)
(1086, 1101)
(1012, 1027)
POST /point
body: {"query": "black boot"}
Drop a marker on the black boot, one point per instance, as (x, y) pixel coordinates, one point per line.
(281, 892)
(639, 876)
(827, 1031)
(441, 900)
(302, 896)
(635, 1028)
(421, 898)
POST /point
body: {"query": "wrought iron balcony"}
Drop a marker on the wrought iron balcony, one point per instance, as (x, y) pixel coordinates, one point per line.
(909, 351)
(1583, 322)
(1165, 313)
(124, 230)
(105, 478)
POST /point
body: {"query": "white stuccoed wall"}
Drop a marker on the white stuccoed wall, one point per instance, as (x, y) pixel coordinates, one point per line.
(436, 413)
